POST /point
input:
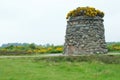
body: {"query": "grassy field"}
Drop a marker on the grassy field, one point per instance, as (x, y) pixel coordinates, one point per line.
(59, 69)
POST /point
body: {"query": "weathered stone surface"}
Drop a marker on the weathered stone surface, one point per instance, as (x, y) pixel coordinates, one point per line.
(84, 35)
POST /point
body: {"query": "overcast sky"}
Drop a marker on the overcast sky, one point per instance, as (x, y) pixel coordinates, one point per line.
(43, 21)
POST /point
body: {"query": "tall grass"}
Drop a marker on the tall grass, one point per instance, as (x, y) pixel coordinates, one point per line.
(60, 68)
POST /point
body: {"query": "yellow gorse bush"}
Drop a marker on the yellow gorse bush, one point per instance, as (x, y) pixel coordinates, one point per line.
(59, 49)
(85, 11)
(116, 47)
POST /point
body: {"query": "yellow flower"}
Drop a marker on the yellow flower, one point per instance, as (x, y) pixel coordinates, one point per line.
(59, 49)
(85, 11)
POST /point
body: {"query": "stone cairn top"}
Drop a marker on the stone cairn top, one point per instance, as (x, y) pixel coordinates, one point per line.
(85, 32)
(85, 11)
(84, 18)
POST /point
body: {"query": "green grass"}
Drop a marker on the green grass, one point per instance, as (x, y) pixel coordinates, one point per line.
(58, 68)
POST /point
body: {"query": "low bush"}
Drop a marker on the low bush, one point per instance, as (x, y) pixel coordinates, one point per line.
(113, 46)
(108, 59)
(31, 49)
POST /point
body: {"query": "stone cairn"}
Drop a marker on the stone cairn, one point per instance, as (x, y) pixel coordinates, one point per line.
(84, 35)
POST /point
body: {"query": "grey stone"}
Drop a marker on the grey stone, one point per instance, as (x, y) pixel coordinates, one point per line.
(85, 35)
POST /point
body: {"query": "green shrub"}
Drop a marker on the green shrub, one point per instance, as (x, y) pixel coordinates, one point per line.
(113, 46)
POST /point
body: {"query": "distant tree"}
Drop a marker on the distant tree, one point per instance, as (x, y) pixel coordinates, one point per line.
(32, 46)
(10, 47)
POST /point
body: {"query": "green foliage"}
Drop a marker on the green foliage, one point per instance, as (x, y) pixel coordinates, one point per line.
(30, 49)
(32, 46)
(113, 46)
(41, 49)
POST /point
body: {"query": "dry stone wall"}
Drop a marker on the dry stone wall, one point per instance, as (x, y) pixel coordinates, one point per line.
(84, 35)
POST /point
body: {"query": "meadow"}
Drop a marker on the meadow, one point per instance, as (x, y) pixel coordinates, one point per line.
(35, 66)
(93, 67)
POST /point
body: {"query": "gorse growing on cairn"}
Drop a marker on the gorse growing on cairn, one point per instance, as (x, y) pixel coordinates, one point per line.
(85, 11)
